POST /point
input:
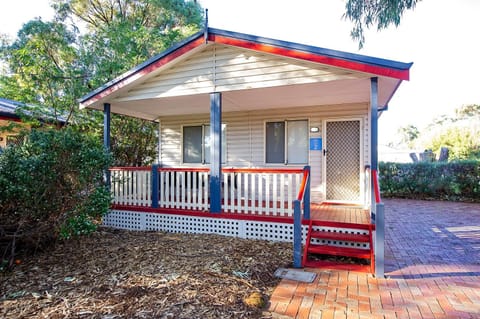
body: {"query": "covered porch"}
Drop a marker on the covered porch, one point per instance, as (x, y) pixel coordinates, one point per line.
(258, 138)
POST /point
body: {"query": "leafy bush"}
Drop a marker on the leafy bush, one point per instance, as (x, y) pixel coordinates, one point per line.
(456, 181)
(52, 187)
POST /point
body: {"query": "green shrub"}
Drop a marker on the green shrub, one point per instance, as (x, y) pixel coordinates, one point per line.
(52, 186)
(455, 181)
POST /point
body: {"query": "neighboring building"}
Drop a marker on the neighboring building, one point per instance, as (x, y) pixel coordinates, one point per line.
(9, 113)
(240, 116)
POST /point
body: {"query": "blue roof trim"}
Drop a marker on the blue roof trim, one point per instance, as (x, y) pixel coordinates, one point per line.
(314, 50)
(141, 66)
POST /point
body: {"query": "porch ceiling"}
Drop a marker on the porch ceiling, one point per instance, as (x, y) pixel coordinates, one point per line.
(311, 94)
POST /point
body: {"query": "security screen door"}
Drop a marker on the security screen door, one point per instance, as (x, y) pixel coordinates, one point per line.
(342, 161)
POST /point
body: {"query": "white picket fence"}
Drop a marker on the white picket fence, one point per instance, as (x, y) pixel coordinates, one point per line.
(131, 186)
(244, 191)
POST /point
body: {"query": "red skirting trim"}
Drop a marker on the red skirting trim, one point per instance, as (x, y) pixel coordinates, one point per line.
(223, 215)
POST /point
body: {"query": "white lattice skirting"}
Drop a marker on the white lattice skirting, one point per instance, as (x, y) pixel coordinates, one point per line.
(248, 229)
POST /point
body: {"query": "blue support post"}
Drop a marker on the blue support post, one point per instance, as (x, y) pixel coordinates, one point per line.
(377, 208)
(215, 152)
(306, 196)
(155, 186)
(373, 140)
(106, 137)
(374, 123)
(297, 234)
(379, 241)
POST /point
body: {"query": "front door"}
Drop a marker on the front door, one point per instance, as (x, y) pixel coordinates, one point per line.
(342, 160)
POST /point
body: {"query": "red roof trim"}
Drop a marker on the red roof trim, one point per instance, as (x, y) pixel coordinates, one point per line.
(150, 68)
(302, 55)
(12, 119)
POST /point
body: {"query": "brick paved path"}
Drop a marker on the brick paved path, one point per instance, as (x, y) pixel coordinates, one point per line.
(432, 260)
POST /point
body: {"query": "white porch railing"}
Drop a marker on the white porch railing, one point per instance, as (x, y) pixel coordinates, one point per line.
(183, 188)
(131, 186)
(268, 192)
(260, 191)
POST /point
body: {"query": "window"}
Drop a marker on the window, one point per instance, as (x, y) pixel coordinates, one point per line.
(197, 144)
(286, 142)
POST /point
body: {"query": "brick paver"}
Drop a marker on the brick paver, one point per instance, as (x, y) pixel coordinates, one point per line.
(432, 263)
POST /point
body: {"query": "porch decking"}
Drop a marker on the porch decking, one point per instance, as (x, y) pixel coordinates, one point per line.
(320, 212)
(340, 213)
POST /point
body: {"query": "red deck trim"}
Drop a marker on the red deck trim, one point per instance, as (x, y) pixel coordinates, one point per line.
(223, 215)
(297, 54)
(239, 216)
(6, 118)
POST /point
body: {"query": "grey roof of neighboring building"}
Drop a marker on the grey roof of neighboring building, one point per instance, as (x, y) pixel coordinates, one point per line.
(8, 109)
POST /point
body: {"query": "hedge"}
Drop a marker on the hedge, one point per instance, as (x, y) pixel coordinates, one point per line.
(453, 181)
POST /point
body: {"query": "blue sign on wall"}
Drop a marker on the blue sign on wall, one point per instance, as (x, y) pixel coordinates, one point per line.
(315, 143)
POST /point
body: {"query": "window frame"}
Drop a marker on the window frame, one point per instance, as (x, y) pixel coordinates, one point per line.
(286, 147)
(204, 160)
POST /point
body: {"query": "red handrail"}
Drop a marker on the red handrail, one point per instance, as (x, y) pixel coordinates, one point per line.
(376, 187)
(203, 169)
(182, 169)
(263, 170)
(303, 185)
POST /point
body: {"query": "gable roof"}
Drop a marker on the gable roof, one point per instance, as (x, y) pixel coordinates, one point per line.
(358, 64)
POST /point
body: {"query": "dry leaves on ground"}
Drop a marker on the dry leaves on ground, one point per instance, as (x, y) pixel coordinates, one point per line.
(125, 274)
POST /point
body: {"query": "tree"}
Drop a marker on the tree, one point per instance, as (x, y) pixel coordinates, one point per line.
(468, 111)
(43, 69)
(380, 13)
(460, 133)
(409, 135)
(52, 64)
(463, 142)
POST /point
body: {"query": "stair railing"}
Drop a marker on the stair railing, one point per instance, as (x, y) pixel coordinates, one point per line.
(302, 201)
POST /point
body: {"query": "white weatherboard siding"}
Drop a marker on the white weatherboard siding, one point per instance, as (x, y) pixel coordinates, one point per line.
(246, 137)
(223, 68)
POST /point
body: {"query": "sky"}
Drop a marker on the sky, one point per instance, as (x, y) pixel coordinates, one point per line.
(441, 38)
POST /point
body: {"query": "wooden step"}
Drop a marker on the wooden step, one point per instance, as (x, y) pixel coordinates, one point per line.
(342, 225)
(338, 251)
(330, 235)
(337, 266)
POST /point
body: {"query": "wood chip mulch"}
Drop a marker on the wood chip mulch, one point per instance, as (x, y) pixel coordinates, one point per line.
(125, 274)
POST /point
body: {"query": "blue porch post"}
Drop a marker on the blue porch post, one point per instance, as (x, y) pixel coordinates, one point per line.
(215, 152)
(377, 209)
(297, 234)
(106, 137)
(155, 185)
(306, 196)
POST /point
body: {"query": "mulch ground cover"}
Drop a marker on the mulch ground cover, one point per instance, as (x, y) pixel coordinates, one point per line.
(125, 274)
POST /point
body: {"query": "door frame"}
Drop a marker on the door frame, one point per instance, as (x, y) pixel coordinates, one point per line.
(361, 172)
